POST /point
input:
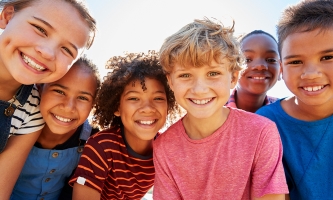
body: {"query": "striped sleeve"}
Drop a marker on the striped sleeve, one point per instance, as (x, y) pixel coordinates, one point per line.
(28, 119)
(93, 168)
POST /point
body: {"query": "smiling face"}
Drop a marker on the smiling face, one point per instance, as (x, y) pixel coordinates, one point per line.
(37, 45)
(307, 61)
(66, 103)
(203, 91)
(143, 113)
(262, 64)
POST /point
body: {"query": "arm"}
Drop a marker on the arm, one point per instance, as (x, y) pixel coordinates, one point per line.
(82, 192)
(272, 197)
(164, 187)
(12, 160)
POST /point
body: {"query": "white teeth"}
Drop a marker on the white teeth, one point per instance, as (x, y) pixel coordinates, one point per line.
(32, 63)
(260, 78)
(147, 122)
(63, 119)
(314, 88)
(201, 102)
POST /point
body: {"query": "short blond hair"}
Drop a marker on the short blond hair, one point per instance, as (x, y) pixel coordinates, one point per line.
(198, 44)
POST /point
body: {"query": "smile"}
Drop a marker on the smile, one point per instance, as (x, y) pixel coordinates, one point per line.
(146, 122)
(201, 102)
(314, 88)
(258, 77)
(32, 63)
(66, 120)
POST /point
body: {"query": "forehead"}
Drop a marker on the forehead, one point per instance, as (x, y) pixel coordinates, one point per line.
(64, 18)
(151, 84)
(261, 41)
(307, 43)
(222, 63)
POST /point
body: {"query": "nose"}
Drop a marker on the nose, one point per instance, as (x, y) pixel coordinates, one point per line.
(199, 86)
(259, 64)
(69, 104)
(46, 50)
(147, 107)
(311, 71)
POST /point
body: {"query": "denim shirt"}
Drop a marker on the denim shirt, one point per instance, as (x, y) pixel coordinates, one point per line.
(5, 121)
(45, 171)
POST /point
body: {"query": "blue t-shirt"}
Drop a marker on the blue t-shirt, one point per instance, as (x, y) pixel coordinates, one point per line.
(307, 153)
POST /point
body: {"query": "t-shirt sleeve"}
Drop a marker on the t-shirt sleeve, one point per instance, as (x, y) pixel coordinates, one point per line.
(164, 186)
(268, 173)
(28, 119)
(93, 167)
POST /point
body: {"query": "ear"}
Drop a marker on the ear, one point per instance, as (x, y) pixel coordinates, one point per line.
(234, 79)
(6, 14)
(117, 113)
(170, 81)
(280, 73)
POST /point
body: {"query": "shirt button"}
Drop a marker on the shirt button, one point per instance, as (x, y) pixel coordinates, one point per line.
(47, 180)
(41, 198)
(52, 171)
(55, 154)
(80, 149)
(45, 193)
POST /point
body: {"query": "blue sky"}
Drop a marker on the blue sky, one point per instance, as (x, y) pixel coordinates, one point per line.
(142, 25)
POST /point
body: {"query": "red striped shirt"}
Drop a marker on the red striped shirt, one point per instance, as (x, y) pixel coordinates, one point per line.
(111, 167)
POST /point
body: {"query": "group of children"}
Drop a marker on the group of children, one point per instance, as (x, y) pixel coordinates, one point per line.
(220, 149)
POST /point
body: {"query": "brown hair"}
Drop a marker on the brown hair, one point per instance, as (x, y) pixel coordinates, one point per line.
(305, 16)
(125, 70)
(198, 43)
(78, 4)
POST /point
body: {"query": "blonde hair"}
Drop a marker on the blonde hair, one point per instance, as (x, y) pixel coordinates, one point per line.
(198, 44)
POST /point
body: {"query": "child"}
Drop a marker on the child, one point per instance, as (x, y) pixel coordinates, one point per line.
(261, 73)
(133, 104)
(36, 46)
(305, 35)
(213, 152)
(65, 106)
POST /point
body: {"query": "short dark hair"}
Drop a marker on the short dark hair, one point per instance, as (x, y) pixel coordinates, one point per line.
(127, 69)
(256, 32)
(305, 16)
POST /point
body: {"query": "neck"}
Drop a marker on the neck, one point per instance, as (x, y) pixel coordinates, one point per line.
(300, 111)
(249, 102)
(198, 128)
(142, 147)
(49, 139)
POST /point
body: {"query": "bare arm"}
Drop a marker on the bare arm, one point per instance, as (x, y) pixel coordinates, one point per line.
(12, 160)
(82, 192)
(272, 197)
(287, 197)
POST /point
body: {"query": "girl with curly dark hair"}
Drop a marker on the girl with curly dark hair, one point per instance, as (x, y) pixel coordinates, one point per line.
(132, 105)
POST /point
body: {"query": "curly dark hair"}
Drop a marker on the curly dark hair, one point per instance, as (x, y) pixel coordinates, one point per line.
(124, 70)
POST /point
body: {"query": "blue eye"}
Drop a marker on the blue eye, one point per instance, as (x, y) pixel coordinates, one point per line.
(213, 73)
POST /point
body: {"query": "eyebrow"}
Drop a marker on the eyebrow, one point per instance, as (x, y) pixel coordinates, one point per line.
(321, 52)
(66, 88)
(133, 91)
(51, 27)
(268, 51)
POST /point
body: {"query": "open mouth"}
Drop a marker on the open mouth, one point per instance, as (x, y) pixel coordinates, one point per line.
(313, 88)
(258, 77)
(146, 122)
(62, 119)
(32, 64)
(201, 102)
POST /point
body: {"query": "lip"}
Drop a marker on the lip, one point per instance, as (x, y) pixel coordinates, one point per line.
(148, 125)
(204, 101)
(314, 92)
(62, 123)
(34, 60)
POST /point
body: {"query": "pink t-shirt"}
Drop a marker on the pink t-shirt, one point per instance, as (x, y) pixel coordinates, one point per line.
(242, 159)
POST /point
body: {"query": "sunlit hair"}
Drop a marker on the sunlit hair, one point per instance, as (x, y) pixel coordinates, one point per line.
(256, 32)
(85, 62)
(78, 4)
(198, 44)
(305, 16)
(126, 70)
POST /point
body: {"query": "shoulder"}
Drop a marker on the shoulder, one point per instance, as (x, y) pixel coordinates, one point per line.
(173, 132)
(105, 137)
(270, 109)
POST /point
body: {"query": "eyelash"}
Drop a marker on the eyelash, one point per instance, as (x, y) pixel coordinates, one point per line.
(68, 51)
(40, 29)
(215, 73)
